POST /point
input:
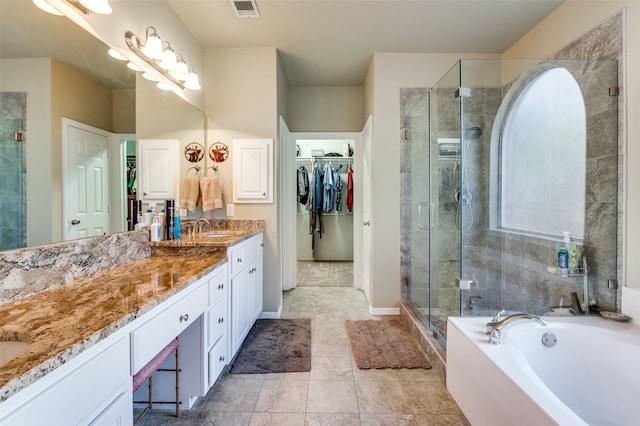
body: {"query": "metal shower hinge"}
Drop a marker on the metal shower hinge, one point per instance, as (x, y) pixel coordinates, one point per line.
(613, 284)
(17, 136)
(614, 91)
(463, 92)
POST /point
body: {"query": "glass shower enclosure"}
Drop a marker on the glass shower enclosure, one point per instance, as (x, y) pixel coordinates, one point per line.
(500, 158)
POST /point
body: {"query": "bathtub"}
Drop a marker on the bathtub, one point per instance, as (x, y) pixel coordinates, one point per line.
(590, 377)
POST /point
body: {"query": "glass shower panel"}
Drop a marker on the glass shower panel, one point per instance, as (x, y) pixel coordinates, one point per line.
(416, 224)
(11, 224)
(445, 199)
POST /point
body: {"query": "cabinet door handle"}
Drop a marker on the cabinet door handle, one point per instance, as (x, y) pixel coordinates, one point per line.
(239, 260)
(184, 317)
(220, 320)
(221, 359)
(220, 286)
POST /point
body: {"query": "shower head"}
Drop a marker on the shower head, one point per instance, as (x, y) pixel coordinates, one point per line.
(472, 133)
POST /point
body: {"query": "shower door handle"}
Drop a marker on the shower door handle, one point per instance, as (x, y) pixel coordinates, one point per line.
(430, 225)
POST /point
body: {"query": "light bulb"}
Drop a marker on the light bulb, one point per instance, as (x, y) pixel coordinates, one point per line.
(182, 70)
(133, 66)
(98, 6)
(153, 46)
(163, 86)
(168, 59)
(149, 77)
(192, 81)
(43, 5)
(116, 55)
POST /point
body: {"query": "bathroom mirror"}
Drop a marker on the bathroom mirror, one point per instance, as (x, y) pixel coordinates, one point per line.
(28, 33)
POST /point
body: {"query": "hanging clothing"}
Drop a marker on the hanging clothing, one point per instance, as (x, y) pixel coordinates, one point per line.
(350, 190)
(338, 189)
(303, 185)
(327, 188)
(318, 189)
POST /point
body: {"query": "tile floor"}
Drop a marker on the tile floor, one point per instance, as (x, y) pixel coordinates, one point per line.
(334, 392)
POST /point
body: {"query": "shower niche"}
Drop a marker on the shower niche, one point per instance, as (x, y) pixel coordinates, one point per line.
(483, 196)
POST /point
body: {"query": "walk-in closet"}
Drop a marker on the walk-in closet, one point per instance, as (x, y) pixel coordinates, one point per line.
(324, 220)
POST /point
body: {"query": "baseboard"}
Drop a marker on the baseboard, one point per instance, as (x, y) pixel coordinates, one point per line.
(271, 315)
(384, 311)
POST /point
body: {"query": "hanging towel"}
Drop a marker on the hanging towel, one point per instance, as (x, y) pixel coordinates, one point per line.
(190, 193)
(211, 193)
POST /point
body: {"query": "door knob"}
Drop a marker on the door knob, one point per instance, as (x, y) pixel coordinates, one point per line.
(75, 222)
(366, 223)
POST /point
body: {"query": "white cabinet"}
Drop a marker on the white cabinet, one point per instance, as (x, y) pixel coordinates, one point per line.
(89, 389)
(158, 169)
(253, 171)
(217, 326)
(246, 288)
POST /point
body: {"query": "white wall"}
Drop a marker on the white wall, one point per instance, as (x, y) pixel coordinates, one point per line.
(325, 109)
(241, 102)
(568, 22)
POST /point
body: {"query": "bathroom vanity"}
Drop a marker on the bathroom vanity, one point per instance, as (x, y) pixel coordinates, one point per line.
(86, 339)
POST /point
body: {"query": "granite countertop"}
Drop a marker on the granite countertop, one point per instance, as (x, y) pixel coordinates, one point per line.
(60, 323)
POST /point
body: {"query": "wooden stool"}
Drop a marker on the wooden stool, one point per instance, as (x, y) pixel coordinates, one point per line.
(146, 373)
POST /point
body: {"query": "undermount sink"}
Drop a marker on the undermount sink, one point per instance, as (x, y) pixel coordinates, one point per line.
(12, 345)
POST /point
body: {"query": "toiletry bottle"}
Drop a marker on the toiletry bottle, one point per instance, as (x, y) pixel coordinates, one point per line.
(155, 230)
(170, 227)
(572, 253)
(177, 233)
(140, 224)
(148, 217)
(563, 260)
(161, 220)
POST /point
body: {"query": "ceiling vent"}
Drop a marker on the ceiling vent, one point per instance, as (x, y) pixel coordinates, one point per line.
(245, 8)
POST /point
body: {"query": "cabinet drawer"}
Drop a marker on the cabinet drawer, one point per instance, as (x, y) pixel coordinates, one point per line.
(217, 360)
(216, 322)
(242, 255)
(217, 285)
(150, 338)
(253, 249)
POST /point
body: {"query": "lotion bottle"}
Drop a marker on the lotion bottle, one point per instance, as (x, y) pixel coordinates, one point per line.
(156, 230)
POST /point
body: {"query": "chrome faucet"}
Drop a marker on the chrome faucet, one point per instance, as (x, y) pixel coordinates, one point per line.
(195, 228)
(494, 328)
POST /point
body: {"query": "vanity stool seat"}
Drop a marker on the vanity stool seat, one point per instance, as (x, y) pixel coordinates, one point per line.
(146, 373)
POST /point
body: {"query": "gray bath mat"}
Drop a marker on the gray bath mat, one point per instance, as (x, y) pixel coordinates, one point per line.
(275, 346)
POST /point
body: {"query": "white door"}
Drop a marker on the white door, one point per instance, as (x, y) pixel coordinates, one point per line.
(366, 209)
(287, 216)
(85, 180)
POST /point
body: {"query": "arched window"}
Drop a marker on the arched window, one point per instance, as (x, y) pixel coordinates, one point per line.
(543, 158)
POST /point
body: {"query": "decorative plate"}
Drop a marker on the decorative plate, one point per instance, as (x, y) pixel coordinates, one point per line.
(218, 152)
(615, 316)
(194, 152)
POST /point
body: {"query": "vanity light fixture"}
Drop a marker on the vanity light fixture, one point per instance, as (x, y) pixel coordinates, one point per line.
(83, 6)
(116, 55)
(170, 65)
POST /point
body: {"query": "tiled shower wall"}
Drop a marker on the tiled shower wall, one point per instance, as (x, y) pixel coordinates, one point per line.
(510, 270)
(13, 171)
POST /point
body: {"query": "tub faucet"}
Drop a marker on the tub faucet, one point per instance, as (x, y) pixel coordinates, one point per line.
(494, 328)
